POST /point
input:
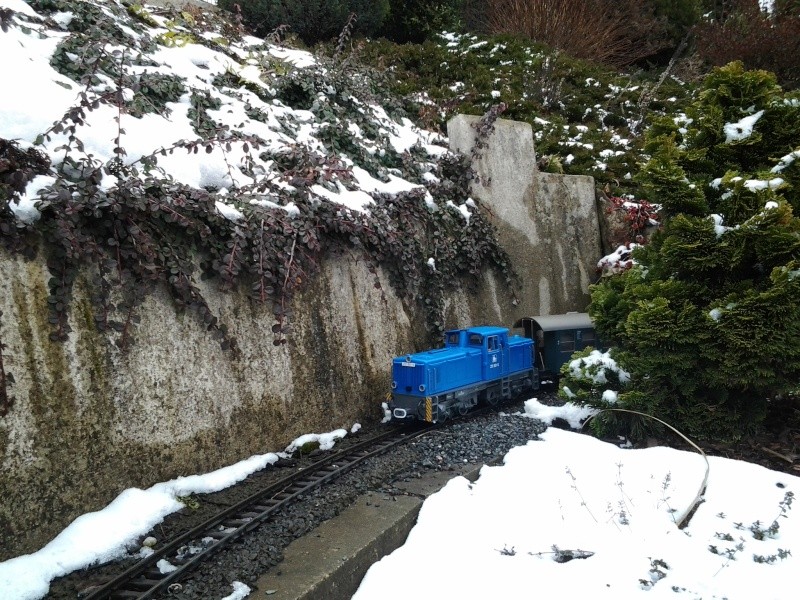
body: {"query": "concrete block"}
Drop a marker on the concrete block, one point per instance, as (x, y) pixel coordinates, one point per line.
(547, 223)
(330, 562)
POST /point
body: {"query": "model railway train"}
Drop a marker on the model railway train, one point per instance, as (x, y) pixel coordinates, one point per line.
(485, 364)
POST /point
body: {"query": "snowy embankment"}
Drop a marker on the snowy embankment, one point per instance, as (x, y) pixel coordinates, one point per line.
(121, 118)
(574, 517)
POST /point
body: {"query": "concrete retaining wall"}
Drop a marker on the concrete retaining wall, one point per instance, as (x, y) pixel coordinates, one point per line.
(90, 420)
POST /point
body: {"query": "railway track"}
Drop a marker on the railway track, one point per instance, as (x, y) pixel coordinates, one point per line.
(187, 551)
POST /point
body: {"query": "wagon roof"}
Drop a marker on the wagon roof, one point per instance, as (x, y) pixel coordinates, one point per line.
(572, 320)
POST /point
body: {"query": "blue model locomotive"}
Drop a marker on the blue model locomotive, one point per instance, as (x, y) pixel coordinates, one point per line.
(478, 364)
(485, 365)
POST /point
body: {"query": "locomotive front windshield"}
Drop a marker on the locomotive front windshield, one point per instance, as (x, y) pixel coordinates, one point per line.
(475, 339)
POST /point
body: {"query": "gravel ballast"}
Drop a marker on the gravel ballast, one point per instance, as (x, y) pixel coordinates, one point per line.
(473, 441)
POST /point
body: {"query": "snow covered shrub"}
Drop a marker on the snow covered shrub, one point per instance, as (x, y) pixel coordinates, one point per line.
(708, 321)
(592, 376)
(595, 379)
(313, 20)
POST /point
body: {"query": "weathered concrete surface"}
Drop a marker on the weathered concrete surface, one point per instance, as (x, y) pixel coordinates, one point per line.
(547, 223)
(90, 420)
(330, 562)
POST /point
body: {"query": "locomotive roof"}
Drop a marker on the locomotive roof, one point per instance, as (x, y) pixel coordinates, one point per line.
(488, 330)
(572, 320)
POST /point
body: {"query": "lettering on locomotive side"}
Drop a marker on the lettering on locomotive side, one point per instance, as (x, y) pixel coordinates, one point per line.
(408, 364)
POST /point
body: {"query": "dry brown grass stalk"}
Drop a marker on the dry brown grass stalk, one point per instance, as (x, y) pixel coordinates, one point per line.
(616, 33)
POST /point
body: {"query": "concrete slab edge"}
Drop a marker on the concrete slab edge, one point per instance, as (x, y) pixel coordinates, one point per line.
(329, 562)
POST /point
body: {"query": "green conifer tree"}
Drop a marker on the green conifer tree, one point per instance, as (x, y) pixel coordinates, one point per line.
(708, 322)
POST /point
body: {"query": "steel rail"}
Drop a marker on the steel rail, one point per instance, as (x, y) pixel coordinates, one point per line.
(142, 580)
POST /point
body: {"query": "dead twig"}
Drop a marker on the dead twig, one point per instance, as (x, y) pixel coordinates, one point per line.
(789, 459)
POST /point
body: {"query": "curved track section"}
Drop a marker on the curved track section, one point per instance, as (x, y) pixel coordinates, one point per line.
(187, 551)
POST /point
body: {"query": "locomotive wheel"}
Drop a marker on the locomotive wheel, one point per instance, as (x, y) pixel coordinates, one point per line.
(493, 399)
(463, 409)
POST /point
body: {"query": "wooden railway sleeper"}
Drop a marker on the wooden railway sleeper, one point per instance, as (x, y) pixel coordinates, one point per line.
(125, 595)
(143, 584)
(218, 534)
(236, 523)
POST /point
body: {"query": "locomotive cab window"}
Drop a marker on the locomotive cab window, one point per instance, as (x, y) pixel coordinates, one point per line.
(475, 339)
(452, 338)
(566, 341)
(492, 343)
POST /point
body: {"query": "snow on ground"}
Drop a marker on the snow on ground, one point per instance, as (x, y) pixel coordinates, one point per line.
(118, 529)
(567, 515)
(574, 517)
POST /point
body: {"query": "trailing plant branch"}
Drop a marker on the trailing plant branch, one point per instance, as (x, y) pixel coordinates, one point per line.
(683, 520)
(147, 230)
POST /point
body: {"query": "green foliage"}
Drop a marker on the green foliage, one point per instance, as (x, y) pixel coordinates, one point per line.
(418, 20)
(581, 113)
(708, 323)
(174, 38)
(588, 374)
(308, 448)
(313, 20)
(664, 182)
(155, 90)
(201, 102)
(140, 13)
(680, 15)
(593, 378)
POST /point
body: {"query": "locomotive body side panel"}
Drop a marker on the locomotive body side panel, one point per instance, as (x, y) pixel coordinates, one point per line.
(436, 371)
(520, 353)
(476, 364)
